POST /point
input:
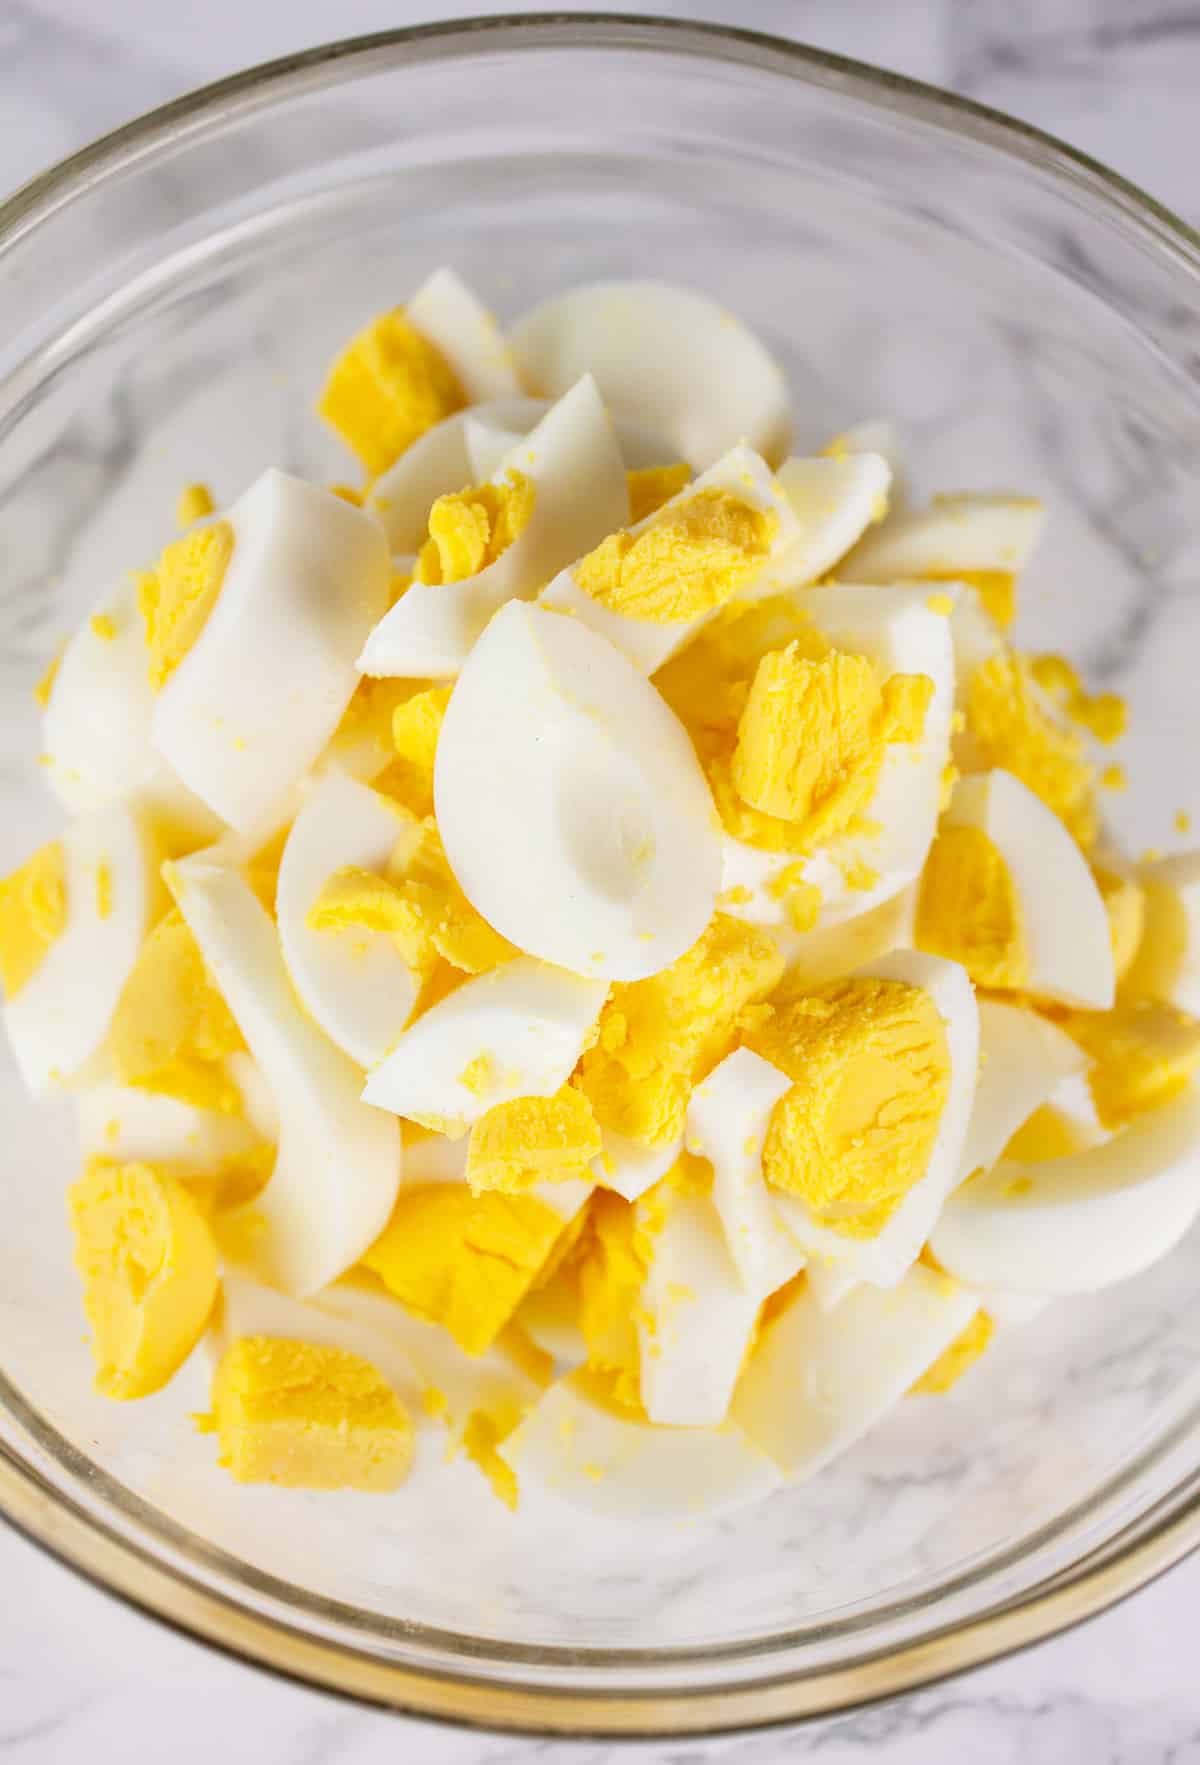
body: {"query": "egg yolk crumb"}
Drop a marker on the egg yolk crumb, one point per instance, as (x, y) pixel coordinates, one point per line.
(1048, 1133)
(968, 910)
(1125, 904)
(614, 1257)
(304, 1416)
(177, 596)
(688, 562)
(463, 1261)
(802, 900)
(33, 915)
(388, 386)
(367, 725)
(954, 1361)
(533, 1140)
(1010, 729)
(870, 1068)
(149, 1266)
(45, 685)
(171, 1030)
(1104, 715)
(469, 529)
(652, 486)
(1143, 1054)
(660, 1036)
(484, 1432)
(193, 503)
(416, 725)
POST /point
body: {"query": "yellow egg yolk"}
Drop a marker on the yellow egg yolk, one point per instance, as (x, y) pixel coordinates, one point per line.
(1104, 715)
(304, 1416)
(614, 1256)
(1049, 1133)
(533, 1140)
(659, 1037)
(149, 1267)
(1009, 728)
(388, 386)
(193, 503)
(997, 591)
(954, 1361)
(33, 914)
(968, 910)
(484, 1433)
(1125, 904)
(463, 1261)
(367, 724)
(45, 685)
(871, 1070)
(708, 682)
(416, 725)
(1143, 1054)
(1165, 945)
(177, 596)
(652, 486)
(172, 1030)
(688, 562)
(469, 529)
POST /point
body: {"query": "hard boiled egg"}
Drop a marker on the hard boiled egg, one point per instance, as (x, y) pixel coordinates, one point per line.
(338, 1169)
(666, 355)
(834, 500)
(250, 706)
(1024, 1058)
(572, 807)
(439, 462)
(489, 441)
(453, 318)
(1167, 964)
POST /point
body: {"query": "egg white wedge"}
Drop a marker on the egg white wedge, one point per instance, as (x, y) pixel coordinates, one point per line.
(516, 1031)
(570, 801)
(353, 982)
(438, 463)
(60, 1017)
(248, 1308)
(830, 950)
(260, 692)
(1023, 1060)
(965, 531)
(571, 1447)
(834, 501)
(126, 1122)
(649, 643)
(883, 1259)
(818, 1380)
(673, 358)
(574, 464)
(451, 316)
(628, 1167)
(1079, 1223)
(827, 1283)
(338, 1168)
(1064, 926)
(727, 1119)
(489, 442)
(875, 435)
(1167, 964)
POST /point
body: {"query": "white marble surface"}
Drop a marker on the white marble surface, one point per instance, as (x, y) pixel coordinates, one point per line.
(82, 1678)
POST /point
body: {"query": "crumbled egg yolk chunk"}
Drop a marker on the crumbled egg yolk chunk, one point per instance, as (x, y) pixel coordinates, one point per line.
(469, 529)
(1125, 904)
(659, 1037)
(104, 889)
(305, 1416)
(484, 1432)
(367, 723)
(33, 914)
(611, 1269)
(149, 1266)
(968, 910)
(416, 725)
(388, 386)
(45, 685)
(171, 1029)
(1009, 729)
(1104, 715)
(1048, 1133)
(997, 591)
(463, 1261)
(871, 1073)
(651, 486)
(177, 596)
(954, 1361)
(688, 562)
(533, 1140)
(1143, 1054)
(802, 900)
(193, 503)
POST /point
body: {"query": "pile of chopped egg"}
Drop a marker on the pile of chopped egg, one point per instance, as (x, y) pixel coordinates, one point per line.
(591, 930)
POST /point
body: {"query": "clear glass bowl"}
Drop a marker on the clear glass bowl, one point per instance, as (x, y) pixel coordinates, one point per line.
(167, 300)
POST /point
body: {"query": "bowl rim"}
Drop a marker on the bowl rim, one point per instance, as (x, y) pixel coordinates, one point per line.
(64, 1528)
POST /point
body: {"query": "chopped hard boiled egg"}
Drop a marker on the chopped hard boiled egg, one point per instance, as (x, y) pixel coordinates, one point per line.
(834, 501)
(452, 317)
(982, 540)
(1024, 1058)
(1167, 963)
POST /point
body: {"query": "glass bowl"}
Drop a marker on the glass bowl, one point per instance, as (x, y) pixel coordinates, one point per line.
(168, 299)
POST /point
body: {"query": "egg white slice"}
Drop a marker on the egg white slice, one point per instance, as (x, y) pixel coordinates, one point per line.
(1065, 926)
(834, 501)
(580, 495)
(248, 1308)
(1076, 1224)
(438, 463)
(818, 1380)
(338, 1168)
(831, 950)
(454, 319)
(883, 1259)
(354, 982)
(60, 1017)
(251, 705)
(666, 355)
(489, 442)
(516, 1031)
(727, 1118)
(571, 804)
(963, 531)
(649, 643)
(1167, 965)
(876, 435)
(1024, 1059)
(628, 1167)
(572, 1448)
(128, 1123)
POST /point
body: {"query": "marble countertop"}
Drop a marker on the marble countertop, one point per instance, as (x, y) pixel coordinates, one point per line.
(80, 1677)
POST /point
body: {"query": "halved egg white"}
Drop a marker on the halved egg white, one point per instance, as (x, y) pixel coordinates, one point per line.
(60, 1017)
(968, 531)
(128, 1123)
(1167, 964)
(454, 319)
(571, 804)
(516, 1031)
(1024, 1058)
(572, 1448)
(1079, 1223)
(883, 1259)
(666, 355)
(1065, 926)
(580, 495)
(353, 982)
(338, 1168)
(249, 708)
(819, 1379)
(647, 642)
